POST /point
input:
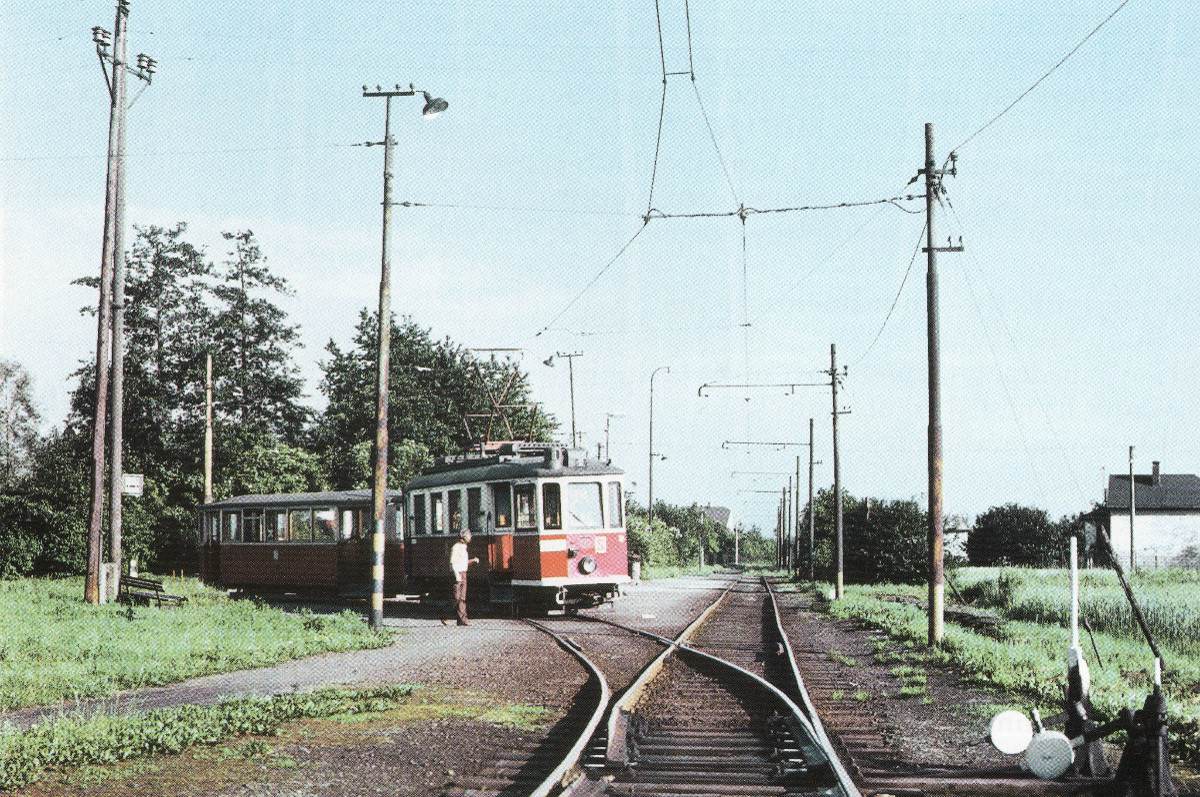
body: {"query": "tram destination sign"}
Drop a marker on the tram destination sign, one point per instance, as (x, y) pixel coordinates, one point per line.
(134, 484)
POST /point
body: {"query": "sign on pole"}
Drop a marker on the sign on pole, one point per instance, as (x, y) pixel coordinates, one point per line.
(134, 485)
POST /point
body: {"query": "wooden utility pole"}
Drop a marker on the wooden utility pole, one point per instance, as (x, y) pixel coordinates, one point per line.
(208, 428)
(838, 587)
(933, 186)
(116, 120)
(812, 528)
(787, 509)
(382, 364)
(1132, 512)
(796, 521)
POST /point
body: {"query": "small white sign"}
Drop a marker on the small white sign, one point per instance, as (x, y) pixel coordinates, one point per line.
(134, 484)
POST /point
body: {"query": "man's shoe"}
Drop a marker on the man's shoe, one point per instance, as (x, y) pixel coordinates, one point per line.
(463, 622)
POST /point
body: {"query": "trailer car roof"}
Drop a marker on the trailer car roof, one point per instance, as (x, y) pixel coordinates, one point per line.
(300, 499)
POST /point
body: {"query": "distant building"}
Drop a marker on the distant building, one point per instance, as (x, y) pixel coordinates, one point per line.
(1166, 525)
(718, 514)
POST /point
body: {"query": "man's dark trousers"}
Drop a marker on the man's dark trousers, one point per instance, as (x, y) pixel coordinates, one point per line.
(460, 599)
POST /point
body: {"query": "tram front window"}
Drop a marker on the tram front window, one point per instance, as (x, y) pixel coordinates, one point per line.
(551, 506)
(502, 505)
(583, 504)
(437, 513)
(418, 510)
(475, 509)
(616, 508)
(525, 497)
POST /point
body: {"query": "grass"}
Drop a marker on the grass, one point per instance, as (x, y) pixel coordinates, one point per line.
(1028, 661)
(842, 658)
(54, 647)
(653, 571)
(215, 739)
(72, 743)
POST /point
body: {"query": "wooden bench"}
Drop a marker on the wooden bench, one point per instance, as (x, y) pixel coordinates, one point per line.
(146, 589)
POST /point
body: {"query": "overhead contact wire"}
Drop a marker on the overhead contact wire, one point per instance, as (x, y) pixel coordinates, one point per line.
(592, 281)
(895, 301)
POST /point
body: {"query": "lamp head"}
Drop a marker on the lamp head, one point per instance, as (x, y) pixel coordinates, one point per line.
(549, 361)
(433, 105)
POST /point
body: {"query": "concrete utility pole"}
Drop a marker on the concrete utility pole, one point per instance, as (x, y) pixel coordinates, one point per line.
(433, 106)
(838, 587)
(116, 119)
(796, 523)
(933, 187)
(1132, 512)
(650, 479)
(788, 529)
(208, 428)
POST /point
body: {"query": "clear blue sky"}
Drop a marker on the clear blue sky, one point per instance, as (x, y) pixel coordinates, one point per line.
(1069, 326)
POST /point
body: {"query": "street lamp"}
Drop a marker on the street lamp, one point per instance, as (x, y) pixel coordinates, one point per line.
(650, 498)
(433, 106)
(570, 358)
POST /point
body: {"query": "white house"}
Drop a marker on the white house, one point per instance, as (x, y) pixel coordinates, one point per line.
(1166, 517)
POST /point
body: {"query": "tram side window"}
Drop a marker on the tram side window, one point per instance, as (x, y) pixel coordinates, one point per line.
(214, 526)
(454, 498)
(348, 524)
(301, 525)
(502, 505)
(525, 496)
(551, 505)
(231, 527)
(366, 522)
(583, 506)
(325, 524)
(475, 509)
(252, 525)
(616, 507)
(437, 513)
(395, 525)
(418, 511)
(275, 525)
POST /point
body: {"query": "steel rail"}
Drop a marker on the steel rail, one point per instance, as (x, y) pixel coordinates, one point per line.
(809, 709)
(558, 774)
(822, 747)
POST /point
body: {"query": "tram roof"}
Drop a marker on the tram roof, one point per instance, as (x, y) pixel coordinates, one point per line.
(337, 497)
(505, 468)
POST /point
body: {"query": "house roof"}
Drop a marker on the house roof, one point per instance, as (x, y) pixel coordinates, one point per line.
(331, 497)
(720, 514)
(1174, 491)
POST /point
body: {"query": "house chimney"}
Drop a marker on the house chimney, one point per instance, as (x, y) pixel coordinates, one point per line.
(1156, 477)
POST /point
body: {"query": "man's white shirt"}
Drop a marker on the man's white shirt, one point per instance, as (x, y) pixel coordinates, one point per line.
(458, 559)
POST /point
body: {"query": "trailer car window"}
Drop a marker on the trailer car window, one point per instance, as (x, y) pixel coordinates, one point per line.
(525, 496)
(437, 513)
(231, 529)
(325, 524)
(300, 525)
(502, 505)
(551, 506)
(615, 506)
(275, 525)
(583, 506)
(418, 510)
(252, 525)
(454, 499)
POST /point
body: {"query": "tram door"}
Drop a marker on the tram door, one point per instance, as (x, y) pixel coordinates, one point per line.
(499, 530)
(354, 552)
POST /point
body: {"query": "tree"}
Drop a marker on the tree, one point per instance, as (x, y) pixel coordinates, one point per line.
(19, 421)
(433, 388)
(1018, 535)
(882, 540)
(258, 385)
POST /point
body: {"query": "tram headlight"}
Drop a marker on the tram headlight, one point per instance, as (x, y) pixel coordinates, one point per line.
(587, 565)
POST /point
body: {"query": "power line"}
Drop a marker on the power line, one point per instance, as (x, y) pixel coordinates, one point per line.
(896, 300)
(745, 211)
(592, 281)
(1047, 74)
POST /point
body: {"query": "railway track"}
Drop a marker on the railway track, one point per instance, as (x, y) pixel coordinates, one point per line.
(713, 715)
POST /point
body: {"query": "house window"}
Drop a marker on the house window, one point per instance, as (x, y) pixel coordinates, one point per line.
(583, 506)
(525, 497)
(616, 507)
(502, 505)
(551, 506)
(300, 525)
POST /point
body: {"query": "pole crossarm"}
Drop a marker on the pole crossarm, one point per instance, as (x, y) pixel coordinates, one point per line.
(774, 444)
(789, 386)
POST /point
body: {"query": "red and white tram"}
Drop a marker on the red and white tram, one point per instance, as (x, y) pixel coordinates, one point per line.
(547, 523)
(548, 526)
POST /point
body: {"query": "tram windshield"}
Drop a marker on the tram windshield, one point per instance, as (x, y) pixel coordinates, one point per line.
(583, 503)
